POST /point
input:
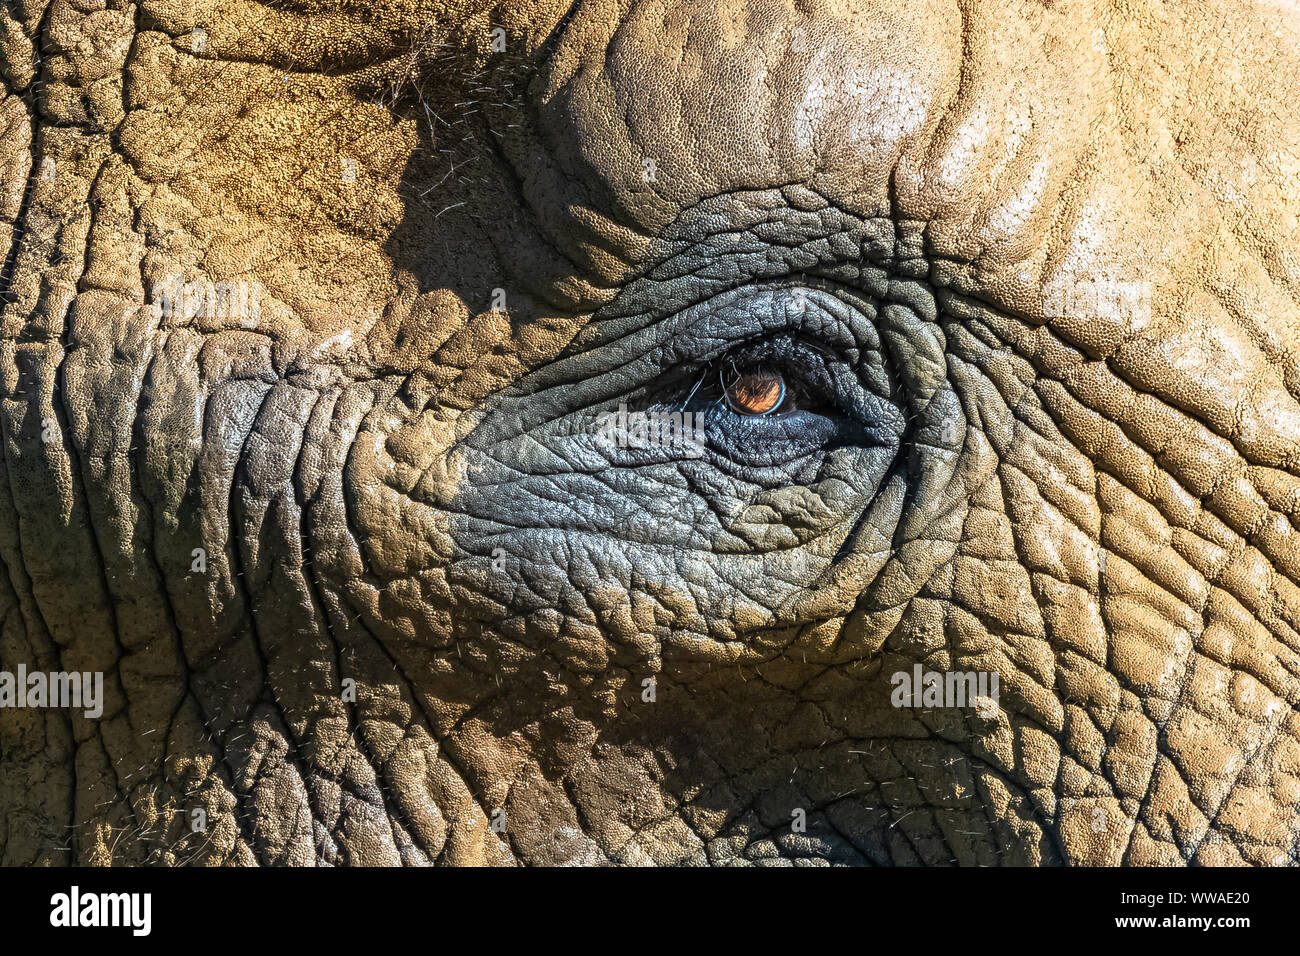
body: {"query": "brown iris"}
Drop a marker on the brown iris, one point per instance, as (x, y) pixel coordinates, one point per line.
(756, 392)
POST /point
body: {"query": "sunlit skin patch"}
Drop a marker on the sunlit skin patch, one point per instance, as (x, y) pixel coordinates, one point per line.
(756, 392)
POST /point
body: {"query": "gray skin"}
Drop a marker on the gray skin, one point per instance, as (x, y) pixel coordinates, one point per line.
(1033, 267)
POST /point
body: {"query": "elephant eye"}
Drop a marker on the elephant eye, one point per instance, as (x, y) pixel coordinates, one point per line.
(767, 401)
(758, 384)
(754, 391)
(768, 380)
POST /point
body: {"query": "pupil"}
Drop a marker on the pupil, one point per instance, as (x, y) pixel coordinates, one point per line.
(756, 393)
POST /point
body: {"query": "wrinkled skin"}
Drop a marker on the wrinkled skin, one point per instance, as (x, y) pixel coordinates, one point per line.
(394, 475)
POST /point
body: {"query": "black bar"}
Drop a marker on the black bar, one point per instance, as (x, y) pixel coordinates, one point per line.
(299, 907)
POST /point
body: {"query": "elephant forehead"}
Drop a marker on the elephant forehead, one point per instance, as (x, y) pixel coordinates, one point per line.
(971, 118)
(673, 101)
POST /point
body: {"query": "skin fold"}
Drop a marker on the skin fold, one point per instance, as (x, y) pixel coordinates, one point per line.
(1042, 258)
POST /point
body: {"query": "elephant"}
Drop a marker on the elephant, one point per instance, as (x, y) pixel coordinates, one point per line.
(651, 432)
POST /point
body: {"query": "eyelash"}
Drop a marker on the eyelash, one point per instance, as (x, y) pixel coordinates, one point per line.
(711, 382)
(719, 377)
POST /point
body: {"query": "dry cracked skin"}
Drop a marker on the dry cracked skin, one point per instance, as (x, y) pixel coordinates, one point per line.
(314, 308)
